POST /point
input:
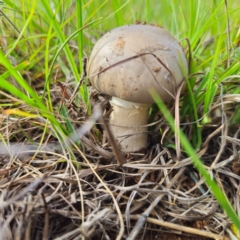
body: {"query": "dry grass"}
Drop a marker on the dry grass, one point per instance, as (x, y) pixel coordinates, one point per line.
(49, 191)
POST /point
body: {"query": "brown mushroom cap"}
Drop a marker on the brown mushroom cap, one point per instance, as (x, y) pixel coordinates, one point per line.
(130, 60)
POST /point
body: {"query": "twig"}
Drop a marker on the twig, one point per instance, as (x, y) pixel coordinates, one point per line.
(188, 230)
(177, 121)
(84, 74)
(46, 219)
(142, 218)
(112, 141)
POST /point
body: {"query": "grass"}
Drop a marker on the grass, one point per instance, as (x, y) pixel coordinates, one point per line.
(42, 47)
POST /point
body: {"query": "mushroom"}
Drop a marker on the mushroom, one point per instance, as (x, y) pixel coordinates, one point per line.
(126, 63)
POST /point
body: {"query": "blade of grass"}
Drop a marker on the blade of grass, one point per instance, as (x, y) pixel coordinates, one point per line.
(35, 101)
(120, 8)
(147, 10)
(211, 85)
(191, 111)
(84, 90)
(50, 17)
(230, 71)
(215, 189)
(95, 11)
(199, 30)
(194, 13)
(14, 73)
(117, 12)
(30, 16)
(80, 33)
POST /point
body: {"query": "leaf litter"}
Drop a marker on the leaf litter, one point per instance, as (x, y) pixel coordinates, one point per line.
(84, 191)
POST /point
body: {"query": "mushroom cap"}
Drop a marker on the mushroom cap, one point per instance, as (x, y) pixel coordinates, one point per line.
(130, 60)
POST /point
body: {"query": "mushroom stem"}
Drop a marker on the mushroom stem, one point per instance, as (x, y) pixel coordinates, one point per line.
(128, 124)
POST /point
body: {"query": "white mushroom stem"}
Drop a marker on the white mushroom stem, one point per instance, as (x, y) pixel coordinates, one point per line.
(128, 124)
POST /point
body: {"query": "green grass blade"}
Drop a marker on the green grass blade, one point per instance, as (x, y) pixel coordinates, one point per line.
(14, 73)
(50, 17)
(80, 34)
(211, 85)
(117, 12)
(215, 189)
